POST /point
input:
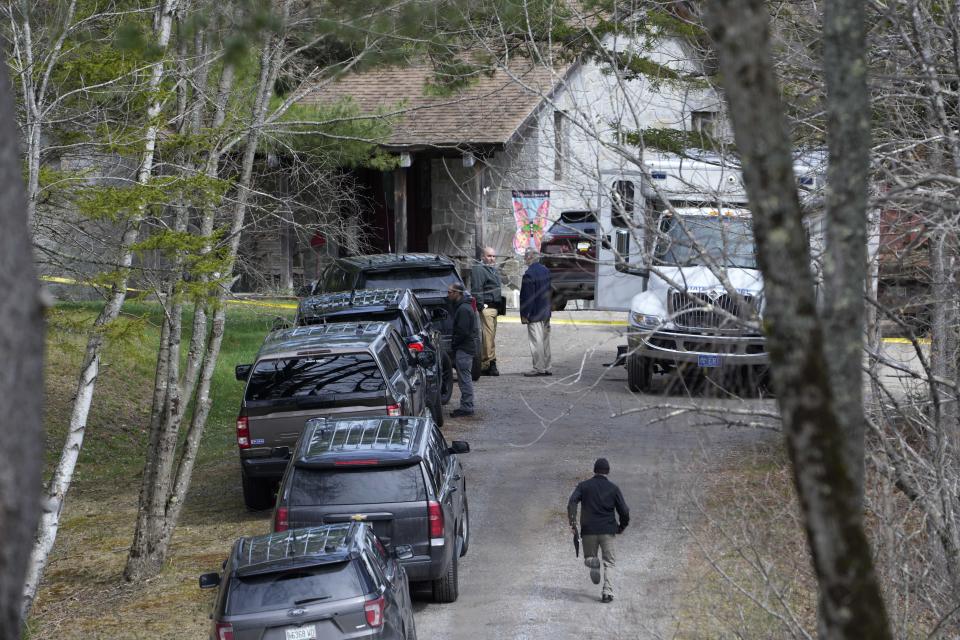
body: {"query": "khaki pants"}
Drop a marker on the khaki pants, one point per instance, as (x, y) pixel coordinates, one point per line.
(488, 351)
(539, 335)
(605, 543)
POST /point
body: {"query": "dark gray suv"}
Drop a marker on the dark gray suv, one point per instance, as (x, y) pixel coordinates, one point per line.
(399, 475)
(322, 583)
(337, 369)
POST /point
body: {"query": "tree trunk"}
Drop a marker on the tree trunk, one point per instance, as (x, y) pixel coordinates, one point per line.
(63, 475)
(21, 381)
(828, 494)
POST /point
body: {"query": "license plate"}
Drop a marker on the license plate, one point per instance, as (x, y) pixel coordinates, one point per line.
(302, 633)
(708, 360)
(583, 246)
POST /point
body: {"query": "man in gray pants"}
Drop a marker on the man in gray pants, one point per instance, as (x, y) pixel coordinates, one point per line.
(599, 499)
(464, 348)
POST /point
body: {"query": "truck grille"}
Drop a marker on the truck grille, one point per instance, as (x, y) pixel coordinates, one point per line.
(699, 311)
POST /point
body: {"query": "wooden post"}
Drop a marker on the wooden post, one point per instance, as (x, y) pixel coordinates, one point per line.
(400, 209)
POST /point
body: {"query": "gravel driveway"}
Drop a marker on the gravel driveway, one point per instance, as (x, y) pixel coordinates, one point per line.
(532, 440)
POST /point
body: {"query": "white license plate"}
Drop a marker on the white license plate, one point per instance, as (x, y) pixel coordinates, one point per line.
(709, 360)
(302, 633)
(583, 246)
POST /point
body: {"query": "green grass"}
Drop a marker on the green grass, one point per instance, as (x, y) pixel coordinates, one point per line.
(117, 427)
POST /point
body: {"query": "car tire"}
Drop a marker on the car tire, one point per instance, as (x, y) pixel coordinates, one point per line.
(436, 411)
(476, 371)
(446, 379)
(558, 303)
(638, 373)
(465, 529)
(446, 589)
(257, 494)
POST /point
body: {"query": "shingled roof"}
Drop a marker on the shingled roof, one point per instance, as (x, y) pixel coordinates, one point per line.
(487, 112)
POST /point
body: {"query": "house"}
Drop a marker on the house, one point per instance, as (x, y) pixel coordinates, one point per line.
(523, 125)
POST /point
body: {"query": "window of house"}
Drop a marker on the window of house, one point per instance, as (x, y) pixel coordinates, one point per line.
(559, 143)
(704, 122)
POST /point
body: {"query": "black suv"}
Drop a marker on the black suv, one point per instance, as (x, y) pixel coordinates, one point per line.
(339, 369)
(335, 581)
(396, 473)
(400, 308)
(569, 251)
(427, 275)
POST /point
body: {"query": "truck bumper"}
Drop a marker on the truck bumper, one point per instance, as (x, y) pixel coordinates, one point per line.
(673, 346)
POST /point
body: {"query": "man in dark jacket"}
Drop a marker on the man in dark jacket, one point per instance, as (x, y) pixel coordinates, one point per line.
(486, 287)
(535, 311)
(599, 499)
(463, 347)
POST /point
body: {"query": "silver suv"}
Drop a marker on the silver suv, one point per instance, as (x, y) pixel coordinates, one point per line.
(337, 369)
(323, 583)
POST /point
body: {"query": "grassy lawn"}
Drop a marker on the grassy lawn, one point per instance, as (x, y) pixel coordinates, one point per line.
(83, 594)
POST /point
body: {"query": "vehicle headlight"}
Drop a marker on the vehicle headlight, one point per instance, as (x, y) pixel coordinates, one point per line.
(644, 320)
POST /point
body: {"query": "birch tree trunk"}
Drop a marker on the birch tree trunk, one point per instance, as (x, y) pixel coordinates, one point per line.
(21, 381)
(159, 513)
(830, 502)
(90, 369)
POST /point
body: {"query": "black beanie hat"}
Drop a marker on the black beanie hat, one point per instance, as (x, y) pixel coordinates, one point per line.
(601, 466)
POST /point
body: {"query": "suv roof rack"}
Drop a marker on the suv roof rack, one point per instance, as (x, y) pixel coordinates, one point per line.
(381, 441)
(347, 329)
(332, 542)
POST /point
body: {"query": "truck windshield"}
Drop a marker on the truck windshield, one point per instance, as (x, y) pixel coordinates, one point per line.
(727, 240)
(417, 280)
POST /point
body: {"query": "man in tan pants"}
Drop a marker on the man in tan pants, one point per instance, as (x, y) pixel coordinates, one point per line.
(601, 505)
(486, 287)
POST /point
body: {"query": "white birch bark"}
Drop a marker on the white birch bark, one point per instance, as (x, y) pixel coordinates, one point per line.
(63, 474)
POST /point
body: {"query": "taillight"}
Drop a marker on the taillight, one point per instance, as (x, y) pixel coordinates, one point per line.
(435, 516)
(415, 346)
(473, 303)
(393, 410)
(374, 610)
(282, 520)
(243, 433)
(224, 631)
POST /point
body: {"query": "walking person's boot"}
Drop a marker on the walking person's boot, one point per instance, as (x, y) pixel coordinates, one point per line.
(492, 369)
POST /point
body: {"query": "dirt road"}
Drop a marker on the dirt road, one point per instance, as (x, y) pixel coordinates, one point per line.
(532, 440)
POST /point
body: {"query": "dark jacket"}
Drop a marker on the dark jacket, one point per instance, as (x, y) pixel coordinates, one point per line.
(598, 498)
(535, 293)
(485, 284)
(464, 326)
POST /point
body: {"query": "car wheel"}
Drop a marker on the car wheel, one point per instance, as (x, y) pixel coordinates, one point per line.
(447, 587)
(638, 373)
(436, 411)
(446, 379)
(257, 494)
(465, 529)
(476, 371)
(559, 303)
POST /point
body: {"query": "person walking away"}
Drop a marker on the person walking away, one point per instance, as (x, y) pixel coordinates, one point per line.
(535, 295)
(463, 348)
(485, 284)
(599, 499)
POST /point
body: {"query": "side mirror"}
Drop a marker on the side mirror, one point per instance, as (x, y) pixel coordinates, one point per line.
(403, 552)
(210, 580)
(426, 359)
(459, 446)
(242, 371)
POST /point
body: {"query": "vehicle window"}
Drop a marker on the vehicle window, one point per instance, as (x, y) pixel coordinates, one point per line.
(314, 376)
(357, 486)
(621, 213)
(438, 467)
(377, 551)
(401, 353)
(440, 443)
(390, 364)
(285, 589)
(728, 240)
(375, 570)
(417, 315)
(432, 468)
(417, 280)
(578, 217)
